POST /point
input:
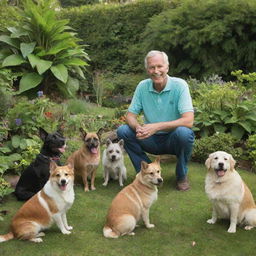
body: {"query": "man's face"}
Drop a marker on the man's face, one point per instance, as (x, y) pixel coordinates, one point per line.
(157, 70)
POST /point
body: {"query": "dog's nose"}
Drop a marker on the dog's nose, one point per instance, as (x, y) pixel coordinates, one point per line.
(63, 182)
(221, 165)
(113, 158)
(159, 180)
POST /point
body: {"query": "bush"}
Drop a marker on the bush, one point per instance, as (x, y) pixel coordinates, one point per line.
(217, 142)
(112, 30)
(203, 37)
(251, 150)
(5, 189)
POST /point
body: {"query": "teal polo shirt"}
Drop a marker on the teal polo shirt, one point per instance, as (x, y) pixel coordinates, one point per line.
(167, 105)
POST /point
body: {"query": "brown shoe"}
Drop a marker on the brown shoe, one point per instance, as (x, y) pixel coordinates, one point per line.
(182, 185)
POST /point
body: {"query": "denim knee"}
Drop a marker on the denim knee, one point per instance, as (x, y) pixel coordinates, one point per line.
(185, 135)
(124, 131)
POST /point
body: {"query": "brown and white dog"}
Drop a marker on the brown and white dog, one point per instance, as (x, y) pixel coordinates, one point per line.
(87, 158)
(49, 205)
(230, 196)
(133, 202)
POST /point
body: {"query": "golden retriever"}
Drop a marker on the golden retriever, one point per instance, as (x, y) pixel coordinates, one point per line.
(230, 196)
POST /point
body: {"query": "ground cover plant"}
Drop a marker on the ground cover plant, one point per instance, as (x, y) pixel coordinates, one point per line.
(180, 220)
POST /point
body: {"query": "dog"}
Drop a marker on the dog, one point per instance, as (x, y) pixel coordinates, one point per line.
(133, 202)
(230, 196)
(49, 205)
(34, 177)
(87, 158)
(113, 162)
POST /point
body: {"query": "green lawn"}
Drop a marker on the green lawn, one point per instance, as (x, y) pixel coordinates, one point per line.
(179, 217)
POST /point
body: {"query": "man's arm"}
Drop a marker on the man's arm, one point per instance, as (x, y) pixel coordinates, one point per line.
(147, 130)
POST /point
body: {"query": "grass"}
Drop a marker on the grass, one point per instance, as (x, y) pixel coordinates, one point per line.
(179, 217)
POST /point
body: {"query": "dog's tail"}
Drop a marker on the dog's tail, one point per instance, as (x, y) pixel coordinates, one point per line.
(6, 237)
(109, 233)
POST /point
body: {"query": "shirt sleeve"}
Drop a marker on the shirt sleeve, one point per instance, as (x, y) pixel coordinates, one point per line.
(185, 101)
(136, 104)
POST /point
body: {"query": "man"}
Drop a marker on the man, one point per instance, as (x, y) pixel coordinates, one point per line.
(168, 115)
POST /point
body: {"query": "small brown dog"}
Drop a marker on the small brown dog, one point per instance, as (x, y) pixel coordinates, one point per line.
(133, 202)
(87, 158)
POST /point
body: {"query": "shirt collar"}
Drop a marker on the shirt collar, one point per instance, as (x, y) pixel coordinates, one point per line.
(166, 88)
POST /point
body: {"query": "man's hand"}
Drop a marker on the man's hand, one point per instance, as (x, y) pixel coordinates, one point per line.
(145, 131)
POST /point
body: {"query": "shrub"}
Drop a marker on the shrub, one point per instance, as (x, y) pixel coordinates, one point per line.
(251, 150)
(5, 189)
(217, 142)
(203, 37)
(44, 50)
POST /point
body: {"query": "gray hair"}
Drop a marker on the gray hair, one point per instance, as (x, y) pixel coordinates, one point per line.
(154, 53)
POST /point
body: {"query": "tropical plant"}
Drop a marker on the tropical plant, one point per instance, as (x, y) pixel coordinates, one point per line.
(45, 50)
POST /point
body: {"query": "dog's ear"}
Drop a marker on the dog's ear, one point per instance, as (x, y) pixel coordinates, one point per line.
(53, 166)
(208, 161)
(157, 160)
(108, 142)
(42, 133)
(144, 165)
(83, 132)
(232, 162)
(121, 143)
(99, 132)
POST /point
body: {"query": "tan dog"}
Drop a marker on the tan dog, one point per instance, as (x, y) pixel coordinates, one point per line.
(230, 196)
(133, 202)
(49, 205)
(87, 158)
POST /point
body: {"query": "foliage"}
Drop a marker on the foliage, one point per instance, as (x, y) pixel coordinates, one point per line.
(247, 80)
(112, 30)
(27, 116)
(72, 3)
(205, 37)
(9, 15)
(222, 108)
(217, 142)
(44, 49)
(251, 150)
(77, 106)
(6, 90)
(5, 189)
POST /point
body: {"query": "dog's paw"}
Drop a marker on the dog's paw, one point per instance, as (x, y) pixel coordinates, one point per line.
(66, 232)
(150, 226)
(248, 227)
(69, 227)
(36, 240)
(93, 188)
(211, 221)
(232, 230)
(121, 184)
(86, 189)
(131, 234)
(105, 184)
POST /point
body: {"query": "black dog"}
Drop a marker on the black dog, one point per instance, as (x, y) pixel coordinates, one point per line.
(34, 177)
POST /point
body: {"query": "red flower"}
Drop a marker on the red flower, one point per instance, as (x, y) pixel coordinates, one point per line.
(48, 114)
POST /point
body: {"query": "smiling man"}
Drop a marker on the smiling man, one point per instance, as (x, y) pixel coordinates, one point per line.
(168, 113)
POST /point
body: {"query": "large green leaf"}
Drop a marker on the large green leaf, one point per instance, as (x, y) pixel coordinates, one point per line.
(15, 141)
(72, 85)
(75, 62)
(17, 32)
(43, 65)
(60, 72)
(29, 81)
(33, 59)
(237, 131)
(13, 60)
(10, 41)
(26, 49)
(246, 125)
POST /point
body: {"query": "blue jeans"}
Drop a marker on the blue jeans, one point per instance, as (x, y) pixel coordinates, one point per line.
(178, 142)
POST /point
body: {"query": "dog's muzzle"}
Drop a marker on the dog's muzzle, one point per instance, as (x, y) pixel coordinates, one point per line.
(63, 184)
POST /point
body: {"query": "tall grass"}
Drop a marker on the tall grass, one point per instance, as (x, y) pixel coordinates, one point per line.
(179, 218)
